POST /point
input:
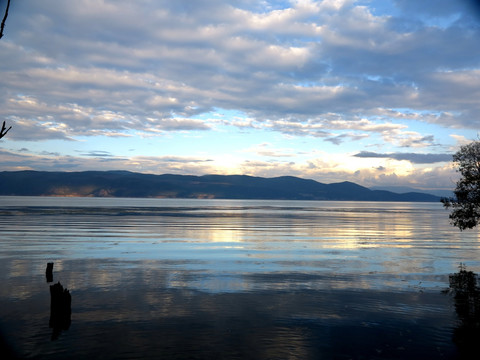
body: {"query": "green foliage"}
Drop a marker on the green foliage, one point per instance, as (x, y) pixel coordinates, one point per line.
(466, 203)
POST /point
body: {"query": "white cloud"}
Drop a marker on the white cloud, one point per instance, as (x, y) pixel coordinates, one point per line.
(237, 58)
(460, 140)
(366, 125)
(333, 70)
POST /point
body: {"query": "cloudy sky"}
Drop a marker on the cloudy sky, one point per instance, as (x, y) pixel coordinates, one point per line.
(378, 92)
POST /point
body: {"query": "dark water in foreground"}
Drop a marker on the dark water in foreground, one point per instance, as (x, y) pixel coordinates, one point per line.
(212, 279)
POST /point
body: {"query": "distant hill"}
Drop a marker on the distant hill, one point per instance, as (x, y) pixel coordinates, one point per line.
(406, 189)
(129, 184)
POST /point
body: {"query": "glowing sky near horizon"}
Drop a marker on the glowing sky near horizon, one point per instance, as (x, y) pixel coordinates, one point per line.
(378, 92)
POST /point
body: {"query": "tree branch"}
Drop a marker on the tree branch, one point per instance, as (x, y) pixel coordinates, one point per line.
(4, 20)
(4, 130)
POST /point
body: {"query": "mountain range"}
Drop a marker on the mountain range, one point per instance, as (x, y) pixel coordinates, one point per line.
(130, 184)
(406, 189)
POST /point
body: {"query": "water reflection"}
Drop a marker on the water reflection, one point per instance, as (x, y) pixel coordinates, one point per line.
(230, 280)
(286, 315)
(60, 309)
(464, 286)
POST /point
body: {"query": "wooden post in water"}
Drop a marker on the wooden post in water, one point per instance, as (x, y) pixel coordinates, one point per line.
(49, 272)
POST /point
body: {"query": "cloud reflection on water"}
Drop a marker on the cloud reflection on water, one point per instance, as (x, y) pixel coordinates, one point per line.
(233, 281)
(146, 312)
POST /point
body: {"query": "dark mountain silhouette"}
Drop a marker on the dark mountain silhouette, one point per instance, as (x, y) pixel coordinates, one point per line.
(406, 189)
(129, 184)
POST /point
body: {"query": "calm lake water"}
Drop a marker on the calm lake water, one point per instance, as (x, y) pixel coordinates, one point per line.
(231, 279)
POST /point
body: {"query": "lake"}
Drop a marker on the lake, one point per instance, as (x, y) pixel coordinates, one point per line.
(231, 279)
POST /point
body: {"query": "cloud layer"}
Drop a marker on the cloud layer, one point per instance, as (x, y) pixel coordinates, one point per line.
(412, 157)
(386, 75)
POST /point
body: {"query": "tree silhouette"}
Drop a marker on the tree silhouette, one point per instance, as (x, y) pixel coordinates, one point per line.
(4, 130)
(4, 19)
(464, 286)
(466, 203)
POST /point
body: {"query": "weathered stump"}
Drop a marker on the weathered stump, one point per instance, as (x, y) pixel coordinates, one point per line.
(49, 272)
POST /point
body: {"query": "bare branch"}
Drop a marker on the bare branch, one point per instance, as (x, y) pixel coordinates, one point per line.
(4, 130)
(4, 20)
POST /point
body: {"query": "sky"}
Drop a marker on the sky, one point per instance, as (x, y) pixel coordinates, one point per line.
(380, 92)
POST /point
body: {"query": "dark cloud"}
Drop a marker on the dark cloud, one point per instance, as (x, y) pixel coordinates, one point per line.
(182, 124)
(104, 72)
(337, 140)
(97, 153)
(412, 157)
(442, 8)
(50, 153)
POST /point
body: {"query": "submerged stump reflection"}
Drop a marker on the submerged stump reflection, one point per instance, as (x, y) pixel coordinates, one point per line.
(464, 286)
(60, 309)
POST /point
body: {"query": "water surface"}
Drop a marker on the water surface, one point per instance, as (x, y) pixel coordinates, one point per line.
(231, 279)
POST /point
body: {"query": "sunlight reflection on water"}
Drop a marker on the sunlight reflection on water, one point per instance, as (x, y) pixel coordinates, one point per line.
(282, 278)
